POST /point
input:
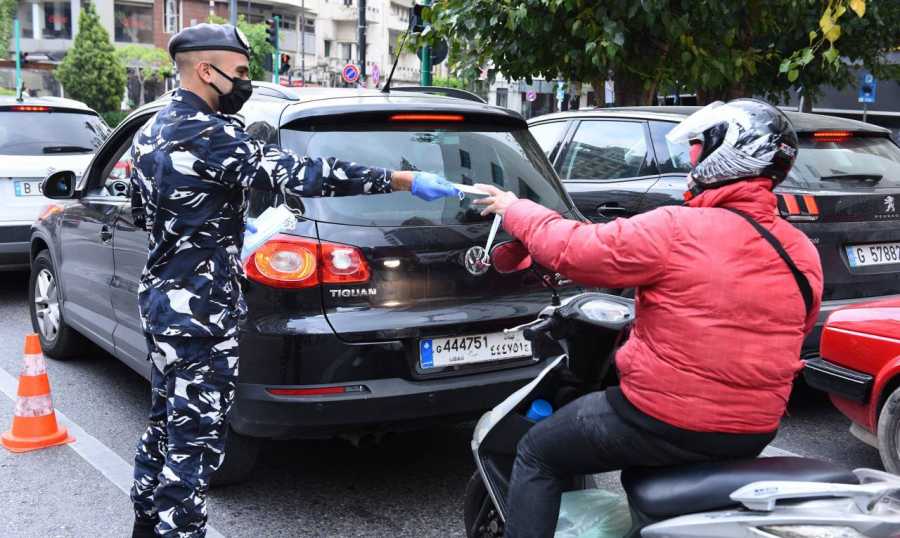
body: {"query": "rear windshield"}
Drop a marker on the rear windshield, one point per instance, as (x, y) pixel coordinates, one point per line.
(852, 163)
(50, 133)
(509, 159)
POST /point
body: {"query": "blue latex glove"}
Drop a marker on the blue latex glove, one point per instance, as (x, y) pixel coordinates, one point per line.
(428, 186)
(249, 228)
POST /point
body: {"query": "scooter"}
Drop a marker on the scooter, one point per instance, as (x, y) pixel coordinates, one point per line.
(777, 497)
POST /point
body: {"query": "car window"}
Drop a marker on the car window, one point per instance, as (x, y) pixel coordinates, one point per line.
(607, 150)
(464, 153)
(115, 173)
(673, 158)
(548, 135)
(846, 163)
(51, 132)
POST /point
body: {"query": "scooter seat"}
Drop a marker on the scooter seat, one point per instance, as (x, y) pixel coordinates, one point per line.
(664, 492)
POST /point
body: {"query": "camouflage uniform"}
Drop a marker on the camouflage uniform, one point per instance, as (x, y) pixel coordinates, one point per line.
(192, 170)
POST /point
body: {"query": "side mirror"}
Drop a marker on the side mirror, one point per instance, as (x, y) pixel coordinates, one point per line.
(510, 257)
(59, 185)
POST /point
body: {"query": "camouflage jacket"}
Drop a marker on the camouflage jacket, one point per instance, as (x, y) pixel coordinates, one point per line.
(192, 171)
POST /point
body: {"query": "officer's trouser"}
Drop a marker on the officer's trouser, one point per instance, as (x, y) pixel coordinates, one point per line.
(184, 442)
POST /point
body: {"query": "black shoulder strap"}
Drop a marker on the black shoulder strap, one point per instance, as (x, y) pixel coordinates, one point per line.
(802, 282)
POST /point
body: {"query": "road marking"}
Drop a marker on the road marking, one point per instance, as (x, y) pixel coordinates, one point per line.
(91, 450)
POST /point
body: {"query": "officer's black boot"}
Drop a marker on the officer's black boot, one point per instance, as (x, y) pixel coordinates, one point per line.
(143, 528)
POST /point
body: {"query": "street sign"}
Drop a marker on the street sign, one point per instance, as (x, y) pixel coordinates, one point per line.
(350, 73)
(376, 75)
(867, 87)
(531, 96)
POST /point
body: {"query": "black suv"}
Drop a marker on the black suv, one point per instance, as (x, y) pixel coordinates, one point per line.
(394, 325)
(842, 192)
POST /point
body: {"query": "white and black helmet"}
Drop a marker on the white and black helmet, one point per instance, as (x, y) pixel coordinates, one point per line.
(741, 139)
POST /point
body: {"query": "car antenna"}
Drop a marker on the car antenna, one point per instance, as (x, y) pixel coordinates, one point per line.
(387, 83)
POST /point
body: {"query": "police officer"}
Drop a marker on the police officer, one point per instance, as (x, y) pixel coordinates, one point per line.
(193, 165)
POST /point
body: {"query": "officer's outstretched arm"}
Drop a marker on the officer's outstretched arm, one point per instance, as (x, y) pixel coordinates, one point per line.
(237, 159)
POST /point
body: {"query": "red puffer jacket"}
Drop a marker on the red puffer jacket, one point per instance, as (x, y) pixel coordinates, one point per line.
(720, 319)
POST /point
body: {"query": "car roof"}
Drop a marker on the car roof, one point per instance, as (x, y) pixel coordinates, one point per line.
(319, 102)
(9, 100)
(803, 122)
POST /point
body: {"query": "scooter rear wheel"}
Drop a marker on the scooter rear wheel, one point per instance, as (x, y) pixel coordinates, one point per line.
(481, 517)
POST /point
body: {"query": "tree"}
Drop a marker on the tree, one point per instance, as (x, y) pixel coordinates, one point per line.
(719, 48)
(147, 63)
(260, 50)
(91, 71)
(7, 15)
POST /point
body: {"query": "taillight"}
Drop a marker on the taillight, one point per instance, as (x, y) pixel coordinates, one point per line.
(342, 264)
(295, 262)
(30, 108)
(285, 262)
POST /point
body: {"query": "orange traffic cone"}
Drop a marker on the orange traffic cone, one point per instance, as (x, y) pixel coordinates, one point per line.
(34, 422)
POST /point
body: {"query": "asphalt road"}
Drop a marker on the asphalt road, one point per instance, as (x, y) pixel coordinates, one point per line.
(409, 485)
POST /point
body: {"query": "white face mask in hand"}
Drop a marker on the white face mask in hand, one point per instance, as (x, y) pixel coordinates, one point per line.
(271, 222)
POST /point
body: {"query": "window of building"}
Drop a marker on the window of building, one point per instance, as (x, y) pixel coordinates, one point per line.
(327, 44)
(172, 16)
(502, 97)
(57, 23)
(133, 23)
(399, 11)
(348, 2)
(286, 22)
(347, 52)
(309, 36)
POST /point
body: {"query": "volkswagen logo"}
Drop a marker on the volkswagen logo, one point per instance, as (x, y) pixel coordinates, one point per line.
(477, 261)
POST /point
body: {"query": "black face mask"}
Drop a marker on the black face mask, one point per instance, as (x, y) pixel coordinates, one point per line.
(241, 90)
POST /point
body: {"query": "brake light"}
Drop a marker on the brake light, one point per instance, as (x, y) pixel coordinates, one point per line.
(811, 206)
(296, 262)
(831, 136)
(790, 202)
(285, 262)
(30, 108)
(428, 117)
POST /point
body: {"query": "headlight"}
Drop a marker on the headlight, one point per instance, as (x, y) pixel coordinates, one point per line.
(605, 311)
(812, 531)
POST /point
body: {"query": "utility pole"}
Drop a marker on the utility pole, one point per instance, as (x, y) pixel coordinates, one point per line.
(232, 12)
(362, 42)
(212, 7)
(19, 84)
(425, 79)
(303, 41)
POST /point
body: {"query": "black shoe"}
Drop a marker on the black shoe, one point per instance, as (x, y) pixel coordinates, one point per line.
(143, 528)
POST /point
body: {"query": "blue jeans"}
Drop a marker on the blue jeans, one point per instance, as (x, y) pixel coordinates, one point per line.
(583, 437)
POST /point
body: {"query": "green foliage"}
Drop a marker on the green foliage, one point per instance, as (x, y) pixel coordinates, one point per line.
(721, 49)
(154, 63)
(449, 82)
(114, 117)
(260, 50)
(91, 71)
(7, 15)
(7, 91)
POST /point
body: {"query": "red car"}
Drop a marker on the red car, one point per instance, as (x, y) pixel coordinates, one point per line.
(860, 369)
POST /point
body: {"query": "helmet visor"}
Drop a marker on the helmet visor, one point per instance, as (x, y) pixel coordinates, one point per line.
(693, 126)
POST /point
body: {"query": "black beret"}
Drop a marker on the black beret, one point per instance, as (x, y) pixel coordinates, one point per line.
(209, 37)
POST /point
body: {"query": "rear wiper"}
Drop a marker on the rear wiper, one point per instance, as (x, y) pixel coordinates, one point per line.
(67, 149)
(874, 178)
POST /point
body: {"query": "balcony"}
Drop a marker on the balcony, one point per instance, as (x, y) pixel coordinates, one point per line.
(351, 13)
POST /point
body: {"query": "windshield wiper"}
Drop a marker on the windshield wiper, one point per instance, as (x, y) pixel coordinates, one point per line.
(874, 178)
(67, 149)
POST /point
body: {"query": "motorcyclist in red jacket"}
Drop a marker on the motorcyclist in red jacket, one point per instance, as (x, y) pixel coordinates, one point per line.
(721, 314)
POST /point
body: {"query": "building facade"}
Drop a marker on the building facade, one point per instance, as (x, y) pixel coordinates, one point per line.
(320, 37)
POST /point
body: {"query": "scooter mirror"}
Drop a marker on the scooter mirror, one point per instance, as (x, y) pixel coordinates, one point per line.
(510, 257)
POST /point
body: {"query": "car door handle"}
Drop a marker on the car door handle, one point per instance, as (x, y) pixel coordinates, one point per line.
(606, 210)
(105, 234)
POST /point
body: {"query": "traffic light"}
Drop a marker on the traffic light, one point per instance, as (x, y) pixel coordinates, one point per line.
(272, 31)
(285, 64)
